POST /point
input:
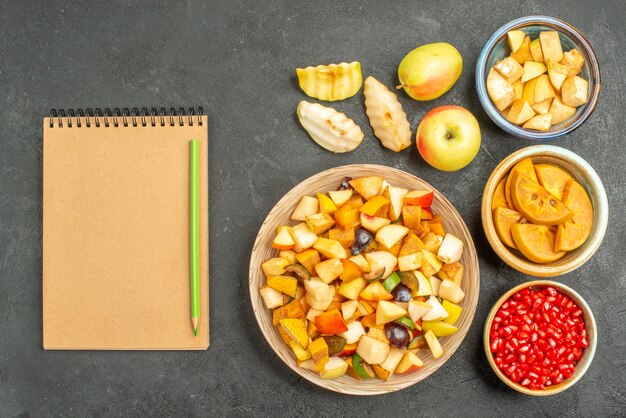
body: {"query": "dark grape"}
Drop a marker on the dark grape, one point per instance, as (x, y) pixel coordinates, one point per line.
(397, 335)
(345, 184)
(362, 240)
(401, 293)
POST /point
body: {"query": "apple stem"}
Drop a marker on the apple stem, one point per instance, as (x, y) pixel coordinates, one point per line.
(448, 136)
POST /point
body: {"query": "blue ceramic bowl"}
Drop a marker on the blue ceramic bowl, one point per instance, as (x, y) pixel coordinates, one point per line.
(497, 48)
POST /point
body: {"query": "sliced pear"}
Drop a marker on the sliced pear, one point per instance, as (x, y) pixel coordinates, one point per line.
(331, 82)
(528, 95)
(574, 91)
(523, 53)
(557, 73)
(535, 50)
(551, 45)
(518, 86)
(331, 130)
(388, 120)
(542, 107)
(509, 69)
(543, 89)
(573, 60)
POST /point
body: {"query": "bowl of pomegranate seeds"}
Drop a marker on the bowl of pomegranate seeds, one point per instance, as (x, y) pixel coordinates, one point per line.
(540, 337)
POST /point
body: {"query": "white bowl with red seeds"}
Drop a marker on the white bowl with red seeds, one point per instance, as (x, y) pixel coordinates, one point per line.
(540, 337)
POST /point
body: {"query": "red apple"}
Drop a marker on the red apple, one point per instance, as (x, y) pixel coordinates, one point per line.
(423, 198)
(448, 137)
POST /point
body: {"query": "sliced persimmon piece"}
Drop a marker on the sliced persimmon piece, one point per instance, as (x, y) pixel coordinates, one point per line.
(536, 242)
(552, 178)
(499, 197)
(535, 203)
(573, 233)
(503, 220)
(525, 167)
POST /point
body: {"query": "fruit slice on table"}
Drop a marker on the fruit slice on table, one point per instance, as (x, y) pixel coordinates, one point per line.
(525, 167)
(536, 242)
(330, 129)
(331, 82)
(535, 203)
(503, 220)
(552, 178)
(499, 197)
(573, 233)
(388, 120)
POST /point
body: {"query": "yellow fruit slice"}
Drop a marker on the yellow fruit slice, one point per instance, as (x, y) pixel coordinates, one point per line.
(573, 233)
(552, 178)
(535, 203)
(536, 242)
(499, 197)
(503, 220)
(525, 167)
(331, 82)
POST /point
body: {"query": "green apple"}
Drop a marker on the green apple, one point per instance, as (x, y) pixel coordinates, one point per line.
(429, 71)
(448, 137)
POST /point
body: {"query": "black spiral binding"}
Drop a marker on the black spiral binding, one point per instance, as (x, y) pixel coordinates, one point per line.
(89, 117)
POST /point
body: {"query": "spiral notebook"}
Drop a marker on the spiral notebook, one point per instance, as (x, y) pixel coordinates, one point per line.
(116, 230)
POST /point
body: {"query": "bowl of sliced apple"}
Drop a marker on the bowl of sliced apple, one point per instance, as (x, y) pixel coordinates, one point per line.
(538, 78)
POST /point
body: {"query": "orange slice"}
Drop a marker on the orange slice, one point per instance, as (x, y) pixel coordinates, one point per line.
(525, 167)
(535, 203)
(536, 242)
(573, 233)
(552, 178)
(503, 220)
(499, 197)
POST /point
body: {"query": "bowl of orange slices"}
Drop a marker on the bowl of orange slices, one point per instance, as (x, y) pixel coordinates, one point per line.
(544, 210)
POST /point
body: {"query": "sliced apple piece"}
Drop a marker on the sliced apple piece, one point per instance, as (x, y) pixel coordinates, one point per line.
(418, 309)
(307, 206)
(433, 344)
(379, 260)
(560, 111)
(308, 365)
(354, 333)
(334, 368)
(523, 53)
(437, 312)
(390, 364)
(539, 123)
(551, 45)
(329, 128)
(396, 198)
(373, 223)
(411, 244)
(330, 248)
(319, 295)
(528, 95)
(424, 288)
(271, 297)
(515, 39)
(557, 73)
(330, 322)
(542, 107)
(367, 187)
(375, 292)
(439, 328)
(302, 236)
(288, 255)
(535, 50)
(543, 89)
(350, 271)
(389, 235)
(435, 283)
(274, 266)
(500, 91)
(573, 60)
(360, 261)
(339, 197)
(422, 198)
(451, 291)
(518, 86)
(319, 223)
(410, 363)
(430, 264)
(352, 289)
(451, 249)
(386, 116)
(349, 309)
(533, 69)
(574, 91)
(387, 312)
(329, 270)
(509, 69)
(520, 112)
(372, 351)
(410, 262)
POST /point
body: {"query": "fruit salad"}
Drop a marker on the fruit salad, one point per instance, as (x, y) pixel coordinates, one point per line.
(537, 86)
(364, 278)
(542, 211)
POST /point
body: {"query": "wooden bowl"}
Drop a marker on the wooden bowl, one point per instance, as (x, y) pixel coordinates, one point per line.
(580, 170)
(329, 180)
(585, 359)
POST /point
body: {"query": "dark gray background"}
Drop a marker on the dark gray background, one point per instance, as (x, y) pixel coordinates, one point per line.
(238, 60)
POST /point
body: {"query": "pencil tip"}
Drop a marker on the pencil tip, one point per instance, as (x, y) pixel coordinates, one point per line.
(195, 332)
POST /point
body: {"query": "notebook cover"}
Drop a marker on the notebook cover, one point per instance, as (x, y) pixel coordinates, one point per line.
(116, 237)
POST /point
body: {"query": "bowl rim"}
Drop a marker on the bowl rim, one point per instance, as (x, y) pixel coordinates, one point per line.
(469, 310)
(594, 240)
(590, 326)
(493, 112)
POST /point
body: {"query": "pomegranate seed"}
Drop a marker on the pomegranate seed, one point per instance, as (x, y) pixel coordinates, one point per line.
(495, 345)
(525, 382)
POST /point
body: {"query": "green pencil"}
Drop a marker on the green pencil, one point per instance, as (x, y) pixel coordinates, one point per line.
(194, 232)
